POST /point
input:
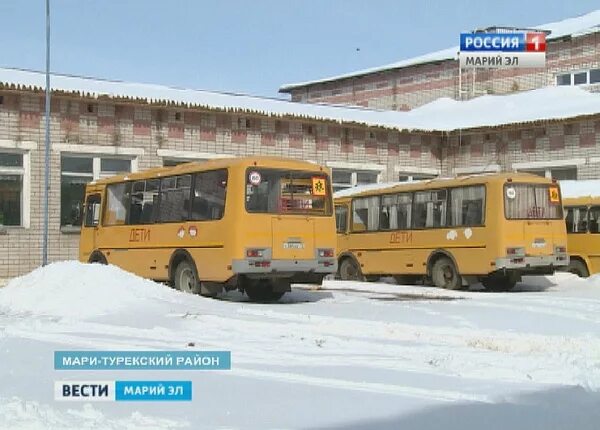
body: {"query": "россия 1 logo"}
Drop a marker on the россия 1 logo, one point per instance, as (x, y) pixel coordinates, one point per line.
(489, 50)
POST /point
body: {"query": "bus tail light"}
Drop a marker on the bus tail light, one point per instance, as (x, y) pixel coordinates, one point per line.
(254, 253)
(515, 251)
(325, 253)
(560, 249)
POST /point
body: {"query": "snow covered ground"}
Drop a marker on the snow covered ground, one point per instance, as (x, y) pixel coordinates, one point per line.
(344, 355)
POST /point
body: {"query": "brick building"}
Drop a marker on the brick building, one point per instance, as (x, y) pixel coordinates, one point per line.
(572, 58)
(99, 128)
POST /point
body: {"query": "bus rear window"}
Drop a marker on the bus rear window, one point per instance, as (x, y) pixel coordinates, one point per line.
(287, 192)
(532, 201)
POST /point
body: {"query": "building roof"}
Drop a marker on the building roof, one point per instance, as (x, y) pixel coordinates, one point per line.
(573, 27)
(445, 114)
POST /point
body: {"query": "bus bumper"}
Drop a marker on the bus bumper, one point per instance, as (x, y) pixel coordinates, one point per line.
(542, 264)
(284, 268)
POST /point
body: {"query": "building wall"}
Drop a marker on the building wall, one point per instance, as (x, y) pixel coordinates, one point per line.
(147, 134)
(414, 86)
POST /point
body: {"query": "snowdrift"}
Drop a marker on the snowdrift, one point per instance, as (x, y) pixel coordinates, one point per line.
(74, 290)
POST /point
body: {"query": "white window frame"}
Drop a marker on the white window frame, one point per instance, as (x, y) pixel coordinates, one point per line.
(96, 154)
(572, 74)
(354, 169)
(411, 172)
(547, 166)
(23, 148)
(187, 156)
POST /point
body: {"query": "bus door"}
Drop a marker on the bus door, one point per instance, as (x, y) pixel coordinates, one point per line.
(89, 231)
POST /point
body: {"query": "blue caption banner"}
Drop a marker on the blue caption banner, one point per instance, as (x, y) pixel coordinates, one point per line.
(494, 42)
(142, 360)
(144, 391)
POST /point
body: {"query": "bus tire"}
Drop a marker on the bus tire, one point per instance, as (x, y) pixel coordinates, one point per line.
(262, 291)
(499, 282)
(186, 277)
(445, 275)
(350, 270)
(578, 267)
(98, 258)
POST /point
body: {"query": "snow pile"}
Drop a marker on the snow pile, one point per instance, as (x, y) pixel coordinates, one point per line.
(16, 414)
(73, 289)
(574, 189)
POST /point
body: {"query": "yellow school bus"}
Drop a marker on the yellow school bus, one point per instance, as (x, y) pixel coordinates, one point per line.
(452, 232)
(582, 215)
(255, 224)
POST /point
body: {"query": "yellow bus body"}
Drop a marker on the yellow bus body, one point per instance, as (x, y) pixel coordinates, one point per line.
(232, 246)
(493, 249)
(583, 234)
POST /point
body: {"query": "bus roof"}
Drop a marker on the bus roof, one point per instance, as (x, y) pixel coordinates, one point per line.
(219, 163)
(375, 189)
(581, 189)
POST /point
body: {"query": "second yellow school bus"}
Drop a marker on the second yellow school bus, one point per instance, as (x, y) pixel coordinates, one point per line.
(492, 228)
(255, 224)
(582, 217)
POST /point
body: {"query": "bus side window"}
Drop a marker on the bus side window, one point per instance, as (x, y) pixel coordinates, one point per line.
(209, 195)
(92, 210)
(594, 215)
(576, 220)
(341, 217)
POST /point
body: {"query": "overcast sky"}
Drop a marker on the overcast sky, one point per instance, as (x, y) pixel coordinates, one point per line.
(247, 46)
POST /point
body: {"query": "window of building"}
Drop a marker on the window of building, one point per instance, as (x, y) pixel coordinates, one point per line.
(408, 177)
(467, 206)
(347, 178)
(210, 191)
(76, 172)
(576, 219)
(365, 214)
(564, 79)
(558, 173)
(580, 77)
(342, 179)
(429, 209)
(11, 189)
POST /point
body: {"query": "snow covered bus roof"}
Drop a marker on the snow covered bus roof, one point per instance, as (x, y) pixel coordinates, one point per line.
(580, 189)
(445, 114)
(570, 27)
(371, 189)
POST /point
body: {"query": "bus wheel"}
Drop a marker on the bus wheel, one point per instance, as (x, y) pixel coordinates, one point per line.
(349, 270)
(498, 282)
(445, 275)
(261, 291)
(579, 268)
(98, 258)
(186, 278)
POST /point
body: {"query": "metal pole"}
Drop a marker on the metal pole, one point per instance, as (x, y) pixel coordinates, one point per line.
(47, 141)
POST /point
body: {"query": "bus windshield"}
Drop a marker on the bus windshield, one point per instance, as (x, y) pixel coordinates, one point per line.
(532, 201)
(287, 192)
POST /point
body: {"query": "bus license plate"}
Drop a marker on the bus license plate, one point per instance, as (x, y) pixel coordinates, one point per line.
(293, 245)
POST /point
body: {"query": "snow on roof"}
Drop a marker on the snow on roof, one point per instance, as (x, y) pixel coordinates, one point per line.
(494, 110)
(348, 192)
(444, 114)
(575, 189)
(577, 26)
